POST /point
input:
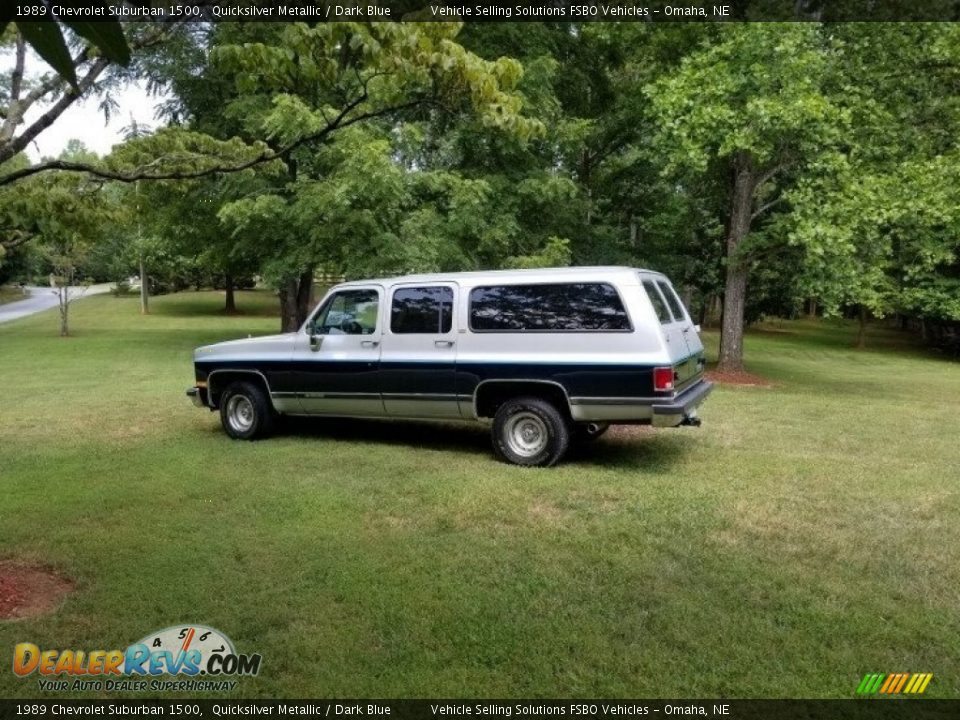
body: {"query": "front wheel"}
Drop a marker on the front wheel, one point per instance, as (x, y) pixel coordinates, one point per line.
(530, 431)
(245, 411)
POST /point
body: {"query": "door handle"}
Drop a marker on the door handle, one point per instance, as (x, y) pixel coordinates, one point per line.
(443, 343)
(369, 343)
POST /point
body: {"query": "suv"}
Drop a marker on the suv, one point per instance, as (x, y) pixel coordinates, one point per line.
(552, 356)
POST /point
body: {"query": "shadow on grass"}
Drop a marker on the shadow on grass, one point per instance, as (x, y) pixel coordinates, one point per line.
(641, 451)
(210, 303)
(472, 438)
(645, 449)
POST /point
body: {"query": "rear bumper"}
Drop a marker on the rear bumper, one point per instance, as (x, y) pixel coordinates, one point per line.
(198, 396)
(683, 408)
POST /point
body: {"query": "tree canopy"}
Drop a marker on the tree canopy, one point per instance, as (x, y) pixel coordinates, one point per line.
(762, 166)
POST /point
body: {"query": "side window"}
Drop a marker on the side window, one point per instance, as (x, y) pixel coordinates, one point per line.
(422, 310)
(349, 312)
(676, 307)
(569, 307)
(659, 304)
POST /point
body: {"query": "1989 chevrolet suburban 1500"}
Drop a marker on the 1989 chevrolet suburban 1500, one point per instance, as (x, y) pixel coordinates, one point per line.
(550, 355)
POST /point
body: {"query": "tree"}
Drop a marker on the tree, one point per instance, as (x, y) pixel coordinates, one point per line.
(81, 60)
(752, 100)
(878, 222)
(68, 213)
(297, 87)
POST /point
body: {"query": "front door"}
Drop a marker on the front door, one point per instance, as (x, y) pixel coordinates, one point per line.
(418, 356)
(337, 355)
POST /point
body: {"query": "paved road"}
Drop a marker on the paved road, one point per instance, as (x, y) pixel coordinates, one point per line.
(44, 298)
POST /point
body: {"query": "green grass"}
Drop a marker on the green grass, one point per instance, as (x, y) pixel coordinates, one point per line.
(804, 536)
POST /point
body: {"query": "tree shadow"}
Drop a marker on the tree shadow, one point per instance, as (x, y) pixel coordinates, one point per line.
(630, 448)
(468, 437)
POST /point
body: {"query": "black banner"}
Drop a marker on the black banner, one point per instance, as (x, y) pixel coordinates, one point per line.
(485, 10)
(866, 709)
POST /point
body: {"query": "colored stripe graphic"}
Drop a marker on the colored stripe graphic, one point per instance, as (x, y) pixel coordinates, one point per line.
(900, 683)
(894, 683)
(887, 683)
(914, 682)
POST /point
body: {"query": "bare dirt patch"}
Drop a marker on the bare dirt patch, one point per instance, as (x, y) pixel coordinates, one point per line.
(29, 590)
(744, 379)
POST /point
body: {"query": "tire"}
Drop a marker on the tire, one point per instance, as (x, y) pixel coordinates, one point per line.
(246, 412)
(584, 433)
(530, 431)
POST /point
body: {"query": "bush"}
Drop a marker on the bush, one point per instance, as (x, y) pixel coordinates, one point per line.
(121, 289)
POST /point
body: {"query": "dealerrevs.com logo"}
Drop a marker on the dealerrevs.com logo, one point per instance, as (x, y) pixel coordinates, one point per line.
(204, 655)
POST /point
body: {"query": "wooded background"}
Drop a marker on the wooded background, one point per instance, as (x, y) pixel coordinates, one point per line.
(767, 168)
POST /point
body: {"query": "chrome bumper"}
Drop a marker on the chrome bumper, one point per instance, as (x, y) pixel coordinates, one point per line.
(196, 396)
(683, 408)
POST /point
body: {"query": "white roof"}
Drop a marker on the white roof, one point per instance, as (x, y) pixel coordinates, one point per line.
(478, 277)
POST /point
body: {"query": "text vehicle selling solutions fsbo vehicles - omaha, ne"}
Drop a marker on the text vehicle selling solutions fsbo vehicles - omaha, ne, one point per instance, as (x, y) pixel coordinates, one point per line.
(552, 356)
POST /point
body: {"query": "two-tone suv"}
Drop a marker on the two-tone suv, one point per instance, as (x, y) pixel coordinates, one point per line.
(550, 355)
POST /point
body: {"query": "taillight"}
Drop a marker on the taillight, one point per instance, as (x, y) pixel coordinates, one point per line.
(663, 379)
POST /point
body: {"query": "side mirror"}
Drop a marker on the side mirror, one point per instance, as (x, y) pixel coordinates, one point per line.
(315, 340)
(697, 329)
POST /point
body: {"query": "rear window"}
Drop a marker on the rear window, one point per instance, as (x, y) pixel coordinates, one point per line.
(566, 307)
(656, 299)
(676, 307)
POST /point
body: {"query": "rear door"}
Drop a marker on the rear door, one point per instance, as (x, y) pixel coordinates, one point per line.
(683, 343)
(419, 352)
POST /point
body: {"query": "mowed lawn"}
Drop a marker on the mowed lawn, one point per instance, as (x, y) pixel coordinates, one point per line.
(807, 534)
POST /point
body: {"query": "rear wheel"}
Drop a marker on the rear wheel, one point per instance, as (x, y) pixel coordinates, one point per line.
(245, 411)
(530, 431)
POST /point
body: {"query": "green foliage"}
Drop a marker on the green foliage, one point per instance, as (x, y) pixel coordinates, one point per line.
(308, 77)
(757, 89)
(47, 40)
(879, 223)
(419, 147)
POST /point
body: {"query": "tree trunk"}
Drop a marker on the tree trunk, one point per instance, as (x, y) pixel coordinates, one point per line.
(230, 306)
(304, 292)
(144, 288)
(735, 289)
(288, 306)
(862, 332)
(64, 298)
(294, 297)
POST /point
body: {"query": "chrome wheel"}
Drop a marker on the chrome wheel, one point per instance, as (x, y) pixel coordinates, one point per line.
(526, 434)
(240, 413)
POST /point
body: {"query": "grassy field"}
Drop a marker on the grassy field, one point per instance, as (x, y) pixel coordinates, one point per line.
(807, 534)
